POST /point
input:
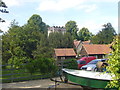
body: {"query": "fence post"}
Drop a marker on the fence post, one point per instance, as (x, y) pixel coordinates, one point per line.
(11, 72)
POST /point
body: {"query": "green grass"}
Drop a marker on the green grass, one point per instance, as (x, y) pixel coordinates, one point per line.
(23, 73)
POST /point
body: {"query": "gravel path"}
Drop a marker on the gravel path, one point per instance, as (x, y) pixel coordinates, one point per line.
(45, 83)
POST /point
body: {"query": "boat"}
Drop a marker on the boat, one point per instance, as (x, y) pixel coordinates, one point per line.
(88, 78)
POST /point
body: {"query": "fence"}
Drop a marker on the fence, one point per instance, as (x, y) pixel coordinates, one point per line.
(21, 74)
(12, 74)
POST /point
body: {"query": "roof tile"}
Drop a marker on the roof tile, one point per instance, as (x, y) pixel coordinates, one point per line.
(65, 52)
(97, 49)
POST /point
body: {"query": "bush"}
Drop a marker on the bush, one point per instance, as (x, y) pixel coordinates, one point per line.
(43, 65)
(31, 66)
(71, 64)
(114, 64)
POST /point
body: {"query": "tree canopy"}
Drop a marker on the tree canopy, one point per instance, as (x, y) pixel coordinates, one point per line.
(71, 27)
(29, 44)
(84, 34)
(20, 42)
(36, 21)
(59, 40)
(105, 36)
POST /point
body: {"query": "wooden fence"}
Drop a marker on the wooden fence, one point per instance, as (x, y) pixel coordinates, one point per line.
(13, 74)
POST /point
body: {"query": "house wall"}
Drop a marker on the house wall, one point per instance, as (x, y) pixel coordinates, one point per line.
(62, 58)
(99, 56)
(56, 29)
(78, 49)
(65, 57)
(83, 52)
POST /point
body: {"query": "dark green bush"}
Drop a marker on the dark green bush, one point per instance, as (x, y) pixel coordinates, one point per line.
(71, 64)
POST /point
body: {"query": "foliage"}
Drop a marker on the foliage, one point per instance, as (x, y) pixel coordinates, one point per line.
(71, 27)
(114, 61)
(43, 48)
(31, 66)
(84, 34)
(67, 40)
(11, 47)
(36, 21)
(28, 44)
(59, 40)
(20, 42)
(105, 36)
(30, 37)
(71, 64)
(6, 55)
(21, 75)
(43, 65)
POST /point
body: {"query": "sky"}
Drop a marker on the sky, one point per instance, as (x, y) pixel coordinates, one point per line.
(91, 14)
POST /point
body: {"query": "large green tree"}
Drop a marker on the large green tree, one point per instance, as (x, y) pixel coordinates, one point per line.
(36, 21)
(105, 36)
(20, 42)
(84, 34)
(43, 48)
(28, 44)
(13, 52)
(71, 27)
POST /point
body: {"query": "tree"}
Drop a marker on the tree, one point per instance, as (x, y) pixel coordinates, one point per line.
(84, 34)
(43, 48)
(71, 27)
(13, 52)
(36, 21)
(105, 36)
(55, 39)
(59, 40)
(19, 43)
(114, 61)
(30, 36)
(28, 45)
(13, 23)
(71, 64)
(67, 41)
(43, 65)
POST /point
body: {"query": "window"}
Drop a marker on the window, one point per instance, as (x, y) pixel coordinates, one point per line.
(93, 62)
(83, 62)
(62, 57)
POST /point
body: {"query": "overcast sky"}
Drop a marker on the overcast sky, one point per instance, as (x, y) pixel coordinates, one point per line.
(91, 14)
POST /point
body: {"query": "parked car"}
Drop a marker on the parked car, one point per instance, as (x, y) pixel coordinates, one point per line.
(84, 60)
(91, 66)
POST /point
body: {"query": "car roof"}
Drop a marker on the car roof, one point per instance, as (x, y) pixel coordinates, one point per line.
(98, 59)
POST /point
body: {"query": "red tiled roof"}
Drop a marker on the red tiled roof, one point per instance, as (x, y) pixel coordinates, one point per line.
(76, 43)
(65, 52)
(97, 48)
